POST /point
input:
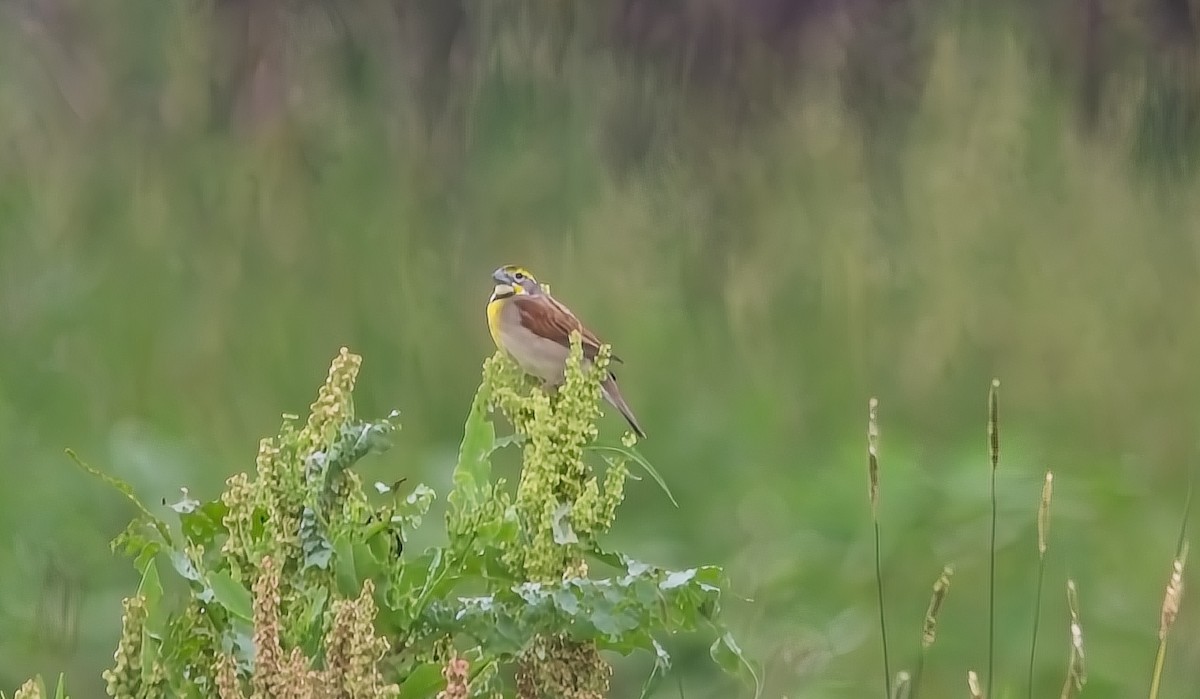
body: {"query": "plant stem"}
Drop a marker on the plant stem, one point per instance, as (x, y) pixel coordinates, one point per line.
(916, 683)
(993, 432)
(1037, 617)
(1158, 666)
(887, 669)
(992, 595)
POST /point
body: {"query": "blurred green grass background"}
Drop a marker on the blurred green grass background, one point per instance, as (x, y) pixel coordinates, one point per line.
(772, 217)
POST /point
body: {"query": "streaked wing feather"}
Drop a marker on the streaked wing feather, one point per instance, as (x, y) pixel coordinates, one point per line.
(550, 319)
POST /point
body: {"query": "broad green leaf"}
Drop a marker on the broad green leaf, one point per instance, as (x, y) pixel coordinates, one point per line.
(641, 461)
(312, 618)
(231, 594)
(148, 553)
(617, 613)
(728, 654)
(473, 473)
(60, 692)
(366, 564)
(423, 682)
(149, 654)
(344, 568)
(151, 589)
(204, 522)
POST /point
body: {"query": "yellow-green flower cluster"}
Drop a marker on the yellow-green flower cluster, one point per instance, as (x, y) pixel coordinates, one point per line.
(128, 679)
(279, 491)
(560, 668)
(559, 501)
(352, 650)
(268, 653)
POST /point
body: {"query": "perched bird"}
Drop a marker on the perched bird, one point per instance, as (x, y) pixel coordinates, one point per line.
(535, 330)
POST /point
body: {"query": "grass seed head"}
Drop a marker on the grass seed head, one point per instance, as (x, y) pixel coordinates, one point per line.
(973, 685)
(1076, 668)
(940, 587)
(994, 424)
(873, 453)
(1174, 594)
(1043, 519)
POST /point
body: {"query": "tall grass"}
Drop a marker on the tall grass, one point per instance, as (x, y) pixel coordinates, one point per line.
(873, 479)
(146, 253)
(1043, 537)
(1076, 667)
(993, 430)
(1173, 596)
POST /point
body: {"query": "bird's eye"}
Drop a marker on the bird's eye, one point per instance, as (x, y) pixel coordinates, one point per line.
(519, 276)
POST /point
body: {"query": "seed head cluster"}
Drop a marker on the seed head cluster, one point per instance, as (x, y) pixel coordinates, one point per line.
(560, 503)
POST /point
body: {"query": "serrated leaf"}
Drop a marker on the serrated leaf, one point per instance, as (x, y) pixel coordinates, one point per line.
(231, 594)
(423, 682)
(315, 546)
(640, 460)
(726, 652)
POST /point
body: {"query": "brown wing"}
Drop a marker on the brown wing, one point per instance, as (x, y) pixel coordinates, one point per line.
(548, 318)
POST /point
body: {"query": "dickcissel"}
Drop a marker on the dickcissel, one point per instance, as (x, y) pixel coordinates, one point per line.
(533, 328)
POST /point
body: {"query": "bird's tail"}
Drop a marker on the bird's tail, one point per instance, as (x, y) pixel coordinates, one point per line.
(613, 395)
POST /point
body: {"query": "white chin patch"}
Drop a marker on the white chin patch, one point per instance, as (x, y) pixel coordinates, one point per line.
(502, 290)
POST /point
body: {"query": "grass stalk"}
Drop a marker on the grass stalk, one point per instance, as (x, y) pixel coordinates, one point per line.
(929, 628)
(1174, 593)
(1076, 669)
(994, 453)
(1043, 525)
(873, 479)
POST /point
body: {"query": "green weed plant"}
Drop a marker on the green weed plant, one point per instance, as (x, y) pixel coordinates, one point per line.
(296, 581)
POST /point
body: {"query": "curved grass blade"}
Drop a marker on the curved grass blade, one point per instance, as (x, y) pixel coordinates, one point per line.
(641, 461)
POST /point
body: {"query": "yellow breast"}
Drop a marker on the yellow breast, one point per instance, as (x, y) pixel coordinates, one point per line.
(494, 308)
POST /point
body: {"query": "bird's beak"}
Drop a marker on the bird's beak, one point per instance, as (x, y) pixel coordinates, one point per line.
(500, 276)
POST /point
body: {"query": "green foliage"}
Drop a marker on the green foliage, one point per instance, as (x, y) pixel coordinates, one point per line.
(295, 580)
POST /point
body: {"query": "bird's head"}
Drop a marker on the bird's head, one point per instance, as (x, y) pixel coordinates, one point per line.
(512, 280)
